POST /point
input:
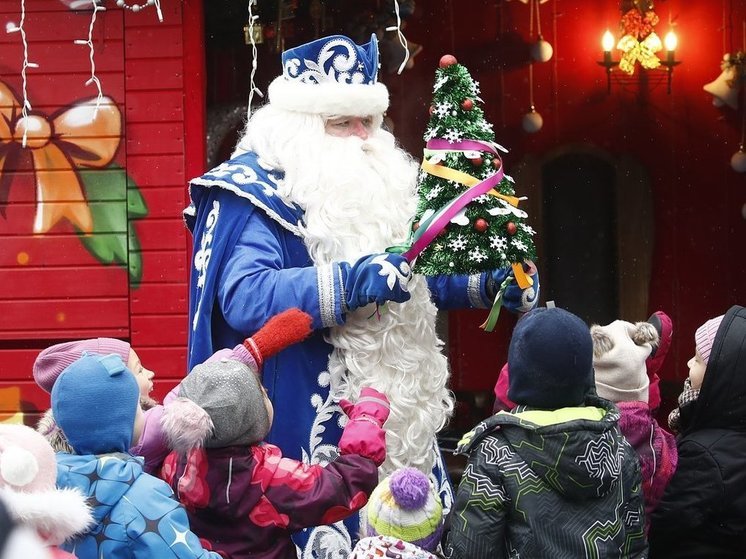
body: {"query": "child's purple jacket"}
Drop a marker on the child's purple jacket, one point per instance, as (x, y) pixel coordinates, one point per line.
(247, 501)
(656, 448)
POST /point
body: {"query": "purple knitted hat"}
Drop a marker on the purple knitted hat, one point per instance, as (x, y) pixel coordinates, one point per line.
(704, 337)
(52, 361)
(406, 506)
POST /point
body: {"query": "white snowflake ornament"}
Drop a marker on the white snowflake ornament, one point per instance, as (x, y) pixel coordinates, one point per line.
(477, 255)
(498, 243)
(459, 243)
(440, 82)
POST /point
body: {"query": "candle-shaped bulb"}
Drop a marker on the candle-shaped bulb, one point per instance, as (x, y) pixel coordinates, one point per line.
(607, 42)
(671, 41)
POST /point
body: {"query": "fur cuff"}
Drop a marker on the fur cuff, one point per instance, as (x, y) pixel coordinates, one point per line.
(329, 98)
(186, 425)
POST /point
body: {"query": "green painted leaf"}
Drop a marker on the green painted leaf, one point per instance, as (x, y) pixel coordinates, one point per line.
(115, 201)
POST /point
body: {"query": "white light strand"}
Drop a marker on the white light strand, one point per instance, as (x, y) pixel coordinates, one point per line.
(531, 63)
(137, 7)
(252, 86)
(91, 55)
(11, 28)
(538, 18)
(402, 39)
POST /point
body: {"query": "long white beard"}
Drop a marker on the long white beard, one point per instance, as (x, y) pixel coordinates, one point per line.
(358, 199)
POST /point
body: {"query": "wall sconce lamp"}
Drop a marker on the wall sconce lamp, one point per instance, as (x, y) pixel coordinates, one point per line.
(607, 43)
(650, 45)
(670, 42)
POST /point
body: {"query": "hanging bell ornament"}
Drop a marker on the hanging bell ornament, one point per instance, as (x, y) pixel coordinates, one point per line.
(738, 161)
(532, 121)
(541, 50)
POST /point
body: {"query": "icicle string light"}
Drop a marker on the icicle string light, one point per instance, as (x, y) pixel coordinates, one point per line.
(10, 28)
(91, 55)
(252, 85)
(402, 39)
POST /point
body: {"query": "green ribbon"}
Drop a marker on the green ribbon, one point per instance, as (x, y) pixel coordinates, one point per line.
(489, 324)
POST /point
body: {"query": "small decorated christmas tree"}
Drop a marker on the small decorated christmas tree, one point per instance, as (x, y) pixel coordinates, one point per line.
(467, 220)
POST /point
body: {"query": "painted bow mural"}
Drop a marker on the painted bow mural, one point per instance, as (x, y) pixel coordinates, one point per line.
(67, 150)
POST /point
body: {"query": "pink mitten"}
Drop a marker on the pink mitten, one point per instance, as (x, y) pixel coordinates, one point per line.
(364, 434)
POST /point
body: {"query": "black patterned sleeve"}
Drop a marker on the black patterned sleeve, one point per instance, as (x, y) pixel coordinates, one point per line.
(478, 517)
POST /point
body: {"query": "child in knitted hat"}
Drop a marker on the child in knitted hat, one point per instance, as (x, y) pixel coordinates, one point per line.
(663, 326)
(403, 519)
(620, 353)
(242, 495)
(53, 360)
(28, 474)
(703, 509)
(554, 477)
(95, 402)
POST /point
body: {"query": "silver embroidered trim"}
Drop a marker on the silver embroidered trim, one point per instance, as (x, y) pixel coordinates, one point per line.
(293, 228)
(474, 292)
(325, 286)
(342, 291)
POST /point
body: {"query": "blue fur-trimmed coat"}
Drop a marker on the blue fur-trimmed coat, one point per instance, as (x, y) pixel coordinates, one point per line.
(250, 263)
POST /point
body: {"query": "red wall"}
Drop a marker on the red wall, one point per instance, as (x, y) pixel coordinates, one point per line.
(154, 73)
(684, 142)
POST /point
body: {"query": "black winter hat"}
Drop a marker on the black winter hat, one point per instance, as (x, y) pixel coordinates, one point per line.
(550, 360)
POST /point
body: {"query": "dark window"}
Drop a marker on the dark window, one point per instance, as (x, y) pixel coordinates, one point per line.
(580, 236)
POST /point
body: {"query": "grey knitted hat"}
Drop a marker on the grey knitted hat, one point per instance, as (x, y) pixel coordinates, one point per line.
(231, 408)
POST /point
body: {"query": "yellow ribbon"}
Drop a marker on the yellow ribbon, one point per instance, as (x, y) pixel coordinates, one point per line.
(463, 178)
(81, 135)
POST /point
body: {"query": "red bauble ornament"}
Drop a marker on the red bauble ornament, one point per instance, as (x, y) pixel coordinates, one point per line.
(415, 226)
(447, 60)
(467, 104)
(511, 228)
(481, 225)
(476, 161)
(431, 110)
(496, 163)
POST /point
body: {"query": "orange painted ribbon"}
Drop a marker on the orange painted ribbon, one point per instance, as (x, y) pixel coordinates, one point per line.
(80, 135)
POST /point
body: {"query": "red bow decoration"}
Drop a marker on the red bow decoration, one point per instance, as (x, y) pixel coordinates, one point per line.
(81, 135)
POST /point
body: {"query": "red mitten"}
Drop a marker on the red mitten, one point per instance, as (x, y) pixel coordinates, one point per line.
(364, 434)
(282, 330)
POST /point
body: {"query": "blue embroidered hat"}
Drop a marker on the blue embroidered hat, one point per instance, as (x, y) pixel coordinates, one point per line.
(331, 76)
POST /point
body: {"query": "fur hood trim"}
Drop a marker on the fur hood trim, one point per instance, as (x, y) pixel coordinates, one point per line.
(329, 98)
(186, 425)
(56, 515)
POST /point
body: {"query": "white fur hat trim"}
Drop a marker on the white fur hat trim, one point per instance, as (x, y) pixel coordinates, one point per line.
(329, 98)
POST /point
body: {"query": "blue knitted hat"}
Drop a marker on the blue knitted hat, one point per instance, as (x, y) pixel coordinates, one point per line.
(550, 360)
(331, 76)
(94, 402)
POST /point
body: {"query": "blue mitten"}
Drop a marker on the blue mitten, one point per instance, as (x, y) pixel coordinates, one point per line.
(515, 299)
(376, 278)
